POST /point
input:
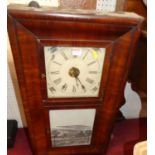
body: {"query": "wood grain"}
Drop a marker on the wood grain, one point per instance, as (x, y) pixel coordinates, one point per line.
(30, 30)
(138, 72)
(136, 6)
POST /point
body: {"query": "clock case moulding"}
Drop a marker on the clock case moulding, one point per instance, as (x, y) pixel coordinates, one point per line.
(30, 29)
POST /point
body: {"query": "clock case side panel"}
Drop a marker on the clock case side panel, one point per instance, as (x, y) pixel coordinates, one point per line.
(18, 66)
(122, 59)
(32, 109)
(77, 101)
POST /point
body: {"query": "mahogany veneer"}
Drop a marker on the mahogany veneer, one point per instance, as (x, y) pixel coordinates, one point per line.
(30, 29)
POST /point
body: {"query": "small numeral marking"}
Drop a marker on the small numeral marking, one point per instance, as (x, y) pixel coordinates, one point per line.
(57, 81)
(95, 89)
(84, 89)
(64, 87)
(90, 81)
(85, 56)
(52, 89)
(57, 63)
(52, 49)
(64, 55)
(74, 89)
(53, 57)
(91, 63)
(55, 72)
(93, 72)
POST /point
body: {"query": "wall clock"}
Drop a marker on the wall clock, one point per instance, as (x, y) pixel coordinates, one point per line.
(72, 67)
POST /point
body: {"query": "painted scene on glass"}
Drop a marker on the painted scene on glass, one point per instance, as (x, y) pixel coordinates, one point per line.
(71, 127)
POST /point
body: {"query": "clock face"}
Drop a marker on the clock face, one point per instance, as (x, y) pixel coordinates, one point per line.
(73, 71)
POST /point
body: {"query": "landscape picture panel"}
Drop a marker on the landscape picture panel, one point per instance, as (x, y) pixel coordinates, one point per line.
(71, 127)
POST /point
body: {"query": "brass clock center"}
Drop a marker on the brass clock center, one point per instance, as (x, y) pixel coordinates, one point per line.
(74, 72)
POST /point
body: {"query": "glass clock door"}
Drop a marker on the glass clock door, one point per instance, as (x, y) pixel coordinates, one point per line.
(73, 71)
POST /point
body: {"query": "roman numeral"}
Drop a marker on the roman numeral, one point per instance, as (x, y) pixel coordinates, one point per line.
(84, 89)
(57, 81)
(95, 89)
(52, 58)
(52, 89)
(55, 72)
(93, 72)
(90, 81)
(91, 63)
(64, 87)
(52, 49)
(57, 63)
(64, 55)
(85, 56)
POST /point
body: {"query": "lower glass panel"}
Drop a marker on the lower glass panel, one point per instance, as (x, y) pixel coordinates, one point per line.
(71, 127)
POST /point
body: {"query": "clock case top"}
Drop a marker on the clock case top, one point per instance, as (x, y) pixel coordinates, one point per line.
(30, 29)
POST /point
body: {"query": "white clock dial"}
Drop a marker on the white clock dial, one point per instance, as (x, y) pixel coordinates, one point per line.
(73, 71)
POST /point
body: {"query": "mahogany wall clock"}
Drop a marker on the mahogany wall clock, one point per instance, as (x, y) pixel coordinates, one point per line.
(72, 67)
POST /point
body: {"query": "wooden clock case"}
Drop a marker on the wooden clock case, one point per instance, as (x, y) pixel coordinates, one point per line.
(30, 29)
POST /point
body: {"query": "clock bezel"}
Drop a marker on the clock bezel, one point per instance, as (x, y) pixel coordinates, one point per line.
(108, 45)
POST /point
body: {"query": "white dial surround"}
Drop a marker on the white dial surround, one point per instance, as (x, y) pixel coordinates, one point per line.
(73, 71)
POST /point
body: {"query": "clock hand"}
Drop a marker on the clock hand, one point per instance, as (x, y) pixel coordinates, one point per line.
(83, 87)
(74, 72)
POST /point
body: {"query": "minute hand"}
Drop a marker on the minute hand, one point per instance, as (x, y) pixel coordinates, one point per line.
(83, 87)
